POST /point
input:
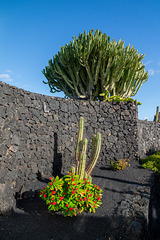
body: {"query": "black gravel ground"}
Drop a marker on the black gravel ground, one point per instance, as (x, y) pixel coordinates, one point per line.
(154, 213)
(34, 222)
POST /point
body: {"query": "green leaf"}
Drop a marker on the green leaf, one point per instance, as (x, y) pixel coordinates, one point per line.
(139, 103)
(102, 94)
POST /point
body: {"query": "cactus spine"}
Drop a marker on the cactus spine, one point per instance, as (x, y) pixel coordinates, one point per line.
(81, 153)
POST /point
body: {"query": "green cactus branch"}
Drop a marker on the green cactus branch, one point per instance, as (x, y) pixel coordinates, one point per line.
(96, 147)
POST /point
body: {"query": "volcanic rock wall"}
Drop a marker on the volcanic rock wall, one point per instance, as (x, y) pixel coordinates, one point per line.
(148, 137)
(38, 133)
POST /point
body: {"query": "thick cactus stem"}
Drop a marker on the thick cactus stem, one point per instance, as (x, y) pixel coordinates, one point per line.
(84, 147)
(96, 147)
(80, 137)
(79, 141)
(85, 175)
(90, 179)
(73, 170)
(94, 142)
(157, 115)
(82, 163)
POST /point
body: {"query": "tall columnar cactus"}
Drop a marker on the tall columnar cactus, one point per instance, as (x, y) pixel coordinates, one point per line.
(91, 64)
(96, 147)
(157, 116)
(80, 137)
(79, 142)
(81, 148)
(82, 160)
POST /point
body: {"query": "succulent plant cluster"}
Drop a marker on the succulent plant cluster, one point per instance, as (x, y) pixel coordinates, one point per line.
(152, 162)
(91, 64)
(119, 165)
(71, 195)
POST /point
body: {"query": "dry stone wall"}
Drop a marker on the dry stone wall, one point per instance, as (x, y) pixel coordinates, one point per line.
(38, 133)
(148, 137)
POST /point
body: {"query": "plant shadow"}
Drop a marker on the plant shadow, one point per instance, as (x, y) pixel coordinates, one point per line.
(37, 223)
(57, 160)
(57, 163)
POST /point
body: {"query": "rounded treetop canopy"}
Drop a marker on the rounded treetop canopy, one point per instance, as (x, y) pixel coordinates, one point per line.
(92, 64)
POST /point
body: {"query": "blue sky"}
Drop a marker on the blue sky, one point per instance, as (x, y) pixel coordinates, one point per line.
(31, 32)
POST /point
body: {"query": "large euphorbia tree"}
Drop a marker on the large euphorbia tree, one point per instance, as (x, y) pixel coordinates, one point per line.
(91, 64)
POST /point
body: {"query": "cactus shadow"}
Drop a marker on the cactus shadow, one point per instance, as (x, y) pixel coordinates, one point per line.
(41, 178)
(57, 163)
(57, 159)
